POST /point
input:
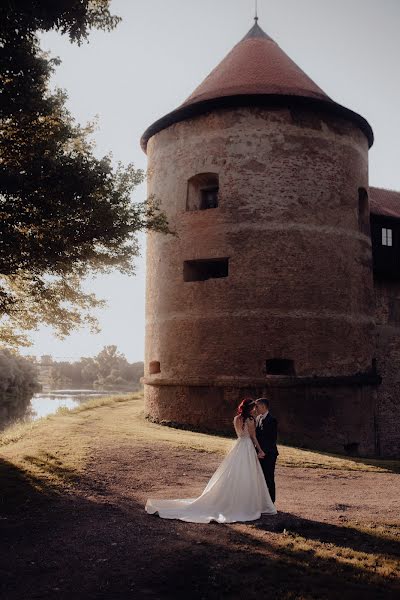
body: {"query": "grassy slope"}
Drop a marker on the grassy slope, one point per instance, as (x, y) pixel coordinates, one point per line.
(64, 430)
(52, 453)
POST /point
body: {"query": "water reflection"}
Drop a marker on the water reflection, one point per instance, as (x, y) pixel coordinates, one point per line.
(47, 403)
(32, 407)
(15, 407)
(43, 405)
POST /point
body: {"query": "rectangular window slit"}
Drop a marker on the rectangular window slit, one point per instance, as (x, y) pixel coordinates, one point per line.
(203, 269)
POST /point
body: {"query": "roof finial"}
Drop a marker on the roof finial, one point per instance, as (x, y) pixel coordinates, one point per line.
(256, 13)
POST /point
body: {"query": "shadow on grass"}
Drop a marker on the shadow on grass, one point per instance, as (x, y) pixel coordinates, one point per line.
(237, 566)
(20, 488)
(49, 480)
(218, 561)
(392, 466)
(52, 465)
(328, 533)
(86, 547)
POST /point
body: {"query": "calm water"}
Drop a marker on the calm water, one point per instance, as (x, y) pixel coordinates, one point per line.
(46, 403)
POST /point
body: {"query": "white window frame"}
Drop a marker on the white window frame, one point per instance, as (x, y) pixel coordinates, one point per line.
(387, 236)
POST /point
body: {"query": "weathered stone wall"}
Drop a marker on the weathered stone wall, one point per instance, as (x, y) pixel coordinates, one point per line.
(336, 418)
(388, 365)
(300, 280)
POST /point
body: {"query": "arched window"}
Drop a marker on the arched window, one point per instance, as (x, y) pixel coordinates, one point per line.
(202, 191)
(363, 211)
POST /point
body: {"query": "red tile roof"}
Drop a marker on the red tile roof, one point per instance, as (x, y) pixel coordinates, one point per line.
(256, 65)
(384, 202)
(256, 71)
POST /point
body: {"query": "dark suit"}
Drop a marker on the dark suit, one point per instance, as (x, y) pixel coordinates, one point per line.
(267, 434)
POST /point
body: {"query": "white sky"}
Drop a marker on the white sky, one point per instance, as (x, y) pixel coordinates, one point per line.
(164, 48)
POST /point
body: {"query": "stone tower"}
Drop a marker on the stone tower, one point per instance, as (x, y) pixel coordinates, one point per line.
(267, 286)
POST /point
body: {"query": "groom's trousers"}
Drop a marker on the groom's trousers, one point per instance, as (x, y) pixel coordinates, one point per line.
(268, 466)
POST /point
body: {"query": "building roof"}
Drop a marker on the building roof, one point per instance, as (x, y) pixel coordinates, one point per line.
(384, 203)
(256, 65)
(255, 72)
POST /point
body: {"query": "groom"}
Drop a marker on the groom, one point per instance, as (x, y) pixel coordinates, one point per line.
(267, 433)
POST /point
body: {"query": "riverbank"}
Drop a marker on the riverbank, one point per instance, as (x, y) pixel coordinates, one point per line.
(72, 495)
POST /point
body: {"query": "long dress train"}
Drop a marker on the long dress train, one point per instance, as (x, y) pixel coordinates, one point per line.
(236, 492)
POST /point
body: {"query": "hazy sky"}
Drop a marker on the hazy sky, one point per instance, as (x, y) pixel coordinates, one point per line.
(164, 48)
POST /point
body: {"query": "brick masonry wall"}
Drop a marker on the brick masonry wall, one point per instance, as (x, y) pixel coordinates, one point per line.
(388, 365)
(300, 283)
(334, 419)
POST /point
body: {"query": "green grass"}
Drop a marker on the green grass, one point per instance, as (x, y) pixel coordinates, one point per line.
(15, 432)
(131, 422)
(298, 557)
(102, 401)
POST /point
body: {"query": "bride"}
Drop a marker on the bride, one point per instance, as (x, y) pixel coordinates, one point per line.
(236, 492)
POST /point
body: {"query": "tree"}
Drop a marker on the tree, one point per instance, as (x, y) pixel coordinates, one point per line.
(18, 382)
(64, 213)
(109, 360)
(109, 368)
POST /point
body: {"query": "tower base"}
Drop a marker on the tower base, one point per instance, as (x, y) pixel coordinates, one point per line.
(331, 414)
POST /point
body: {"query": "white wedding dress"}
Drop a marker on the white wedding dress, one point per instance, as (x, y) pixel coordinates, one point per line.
(236, 492)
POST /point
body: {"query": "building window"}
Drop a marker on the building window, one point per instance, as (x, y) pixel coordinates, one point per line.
(394, 310)
(363, 211)
(351, 449)
(202, 191)
(280, 366)
(201, 270)
(386, 237)
(209, 198)
(154, 367)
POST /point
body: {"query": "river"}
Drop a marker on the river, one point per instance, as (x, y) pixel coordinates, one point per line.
(29, 407)
(48, 402)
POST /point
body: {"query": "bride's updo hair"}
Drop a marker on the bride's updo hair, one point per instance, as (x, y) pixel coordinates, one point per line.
(245, 408)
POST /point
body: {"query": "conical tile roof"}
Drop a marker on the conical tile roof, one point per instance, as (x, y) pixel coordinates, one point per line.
(256, 65)
(255, 72)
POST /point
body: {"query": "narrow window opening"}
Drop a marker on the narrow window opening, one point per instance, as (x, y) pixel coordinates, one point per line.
(394, 310)
(154, 367)
(387, 237)
(363, 211)
(280, 366)
(202, 191)
(351, 449)
(201, 270)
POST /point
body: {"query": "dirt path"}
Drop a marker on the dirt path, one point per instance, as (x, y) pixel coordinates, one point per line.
(336, 534)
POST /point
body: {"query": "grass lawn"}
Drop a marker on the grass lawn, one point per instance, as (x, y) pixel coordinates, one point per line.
(73, 486)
